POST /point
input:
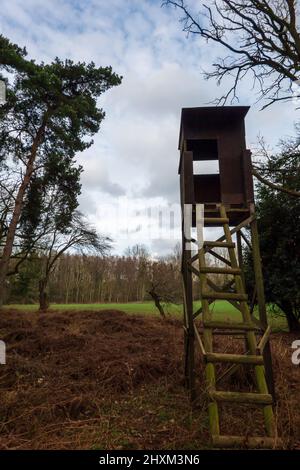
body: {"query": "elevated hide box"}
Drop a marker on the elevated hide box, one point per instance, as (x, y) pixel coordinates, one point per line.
(215, 165)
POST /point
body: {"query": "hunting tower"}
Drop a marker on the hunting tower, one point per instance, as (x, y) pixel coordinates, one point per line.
(216, 189)
(214, 157)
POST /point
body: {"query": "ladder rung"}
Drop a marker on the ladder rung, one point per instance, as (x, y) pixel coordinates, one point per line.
(219, 270)
(216, 244)
(216, 220)
(248, 442)
(238, 397)
(235, 358)
(238, 334)
(230, 326)
(224, 296)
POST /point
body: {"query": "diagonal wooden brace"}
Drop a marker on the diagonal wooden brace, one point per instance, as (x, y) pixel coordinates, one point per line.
(263, 341)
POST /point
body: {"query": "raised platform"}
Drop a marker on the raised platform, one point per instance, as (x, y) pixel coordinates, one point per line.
(236, 214)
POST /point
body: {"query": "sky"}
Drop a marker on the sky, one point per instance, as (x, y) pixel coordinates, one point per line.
(130, 183)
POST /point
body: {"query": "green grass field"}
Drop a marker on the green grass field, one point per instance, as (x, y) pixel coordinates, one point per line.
(221, 310)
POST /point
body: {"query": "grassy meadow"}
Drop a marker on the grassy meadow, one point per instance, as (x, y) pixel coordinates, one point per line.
(221, 310)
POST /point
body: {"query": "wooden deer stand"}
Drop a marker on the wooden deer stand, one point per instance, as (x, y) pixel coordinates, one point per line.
(214, 137)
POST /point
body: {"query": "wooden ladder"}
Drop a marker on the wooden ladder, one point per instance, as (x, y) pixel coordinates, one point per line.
(254, 355)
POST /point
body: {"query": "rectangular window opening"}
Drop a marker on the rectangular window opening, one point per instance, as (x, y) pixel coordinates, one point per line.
(203, 149)
(206, 167)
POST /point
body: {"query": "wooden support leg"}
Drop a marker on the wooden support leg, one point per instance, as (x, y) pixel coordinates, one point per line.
(189, 333)
(240, 261)
(240, 255)
(262, 304)
(210, 375)
(186, 350)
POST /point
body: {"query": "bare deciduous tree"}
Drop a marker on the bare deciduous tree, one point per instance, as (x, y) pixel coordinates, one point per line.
(164, 284)
(81, 236)
(260, 37)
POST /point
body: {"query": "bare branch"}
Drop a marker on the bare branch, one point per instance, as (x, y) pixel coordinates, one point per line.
(277, 187)
(261, 37)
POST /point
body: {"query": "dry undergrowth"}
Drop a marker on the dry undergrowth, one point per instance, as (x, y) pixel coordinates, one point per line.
(108, 380)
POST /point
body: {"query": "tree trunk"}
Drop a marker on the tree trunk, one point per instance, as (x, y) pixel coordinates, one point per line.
(7, 250)
(43, 297)
(293, 322)
(158, 305)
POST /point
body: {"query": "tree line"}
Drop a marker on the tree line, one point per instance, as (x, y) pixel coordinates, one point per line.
(80, 278)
